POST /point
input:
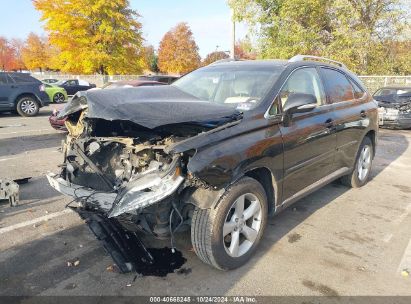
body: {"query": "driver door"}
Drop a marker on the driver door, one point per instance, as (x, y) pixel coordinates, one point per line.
(309, 138)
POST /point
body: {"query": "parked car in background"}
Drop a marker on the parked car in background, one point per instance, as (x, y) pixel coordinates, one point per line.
(50, 80)
(218, 150)
(131, 83)
(58, 123)
(394, 106)
(160, 78)
(56, 94)
(22, 93)
(72, 86)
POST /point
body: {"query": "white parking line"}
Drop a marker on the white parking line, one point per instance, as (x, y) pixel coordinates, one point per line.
(27, 131)
(34, 221)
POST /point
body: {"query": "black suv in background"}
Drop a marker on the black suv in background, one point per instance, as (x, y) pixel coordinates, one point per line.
(167, 79)
(72, 86)
(22, 93)
(218, 150)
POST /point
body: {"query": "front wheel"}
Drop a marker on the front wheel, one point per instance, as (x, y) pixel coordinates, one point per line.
(58, 97)
(226, 236)
(362, 168)
(27, 106)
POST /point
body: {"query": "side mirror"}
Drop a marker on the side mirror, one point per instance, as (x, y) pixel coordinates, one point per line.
(298, 103)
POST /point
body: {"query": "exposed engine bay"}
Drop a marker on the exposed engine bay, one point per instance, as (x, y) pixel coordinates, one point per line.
(126, 171)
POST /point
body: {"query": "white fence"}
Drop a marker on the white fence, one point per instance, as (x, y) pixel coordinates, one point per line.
(375, 82)
(371, 82)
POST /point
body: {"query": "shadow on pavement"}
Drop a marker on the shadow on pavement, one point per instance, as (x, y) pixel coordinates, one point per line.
(18, 145)
(39, 266)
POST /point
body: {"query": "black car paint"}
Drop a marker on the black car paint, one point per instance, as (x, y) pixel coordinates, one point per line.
(314, 145)
(11, 91)
(73, 89)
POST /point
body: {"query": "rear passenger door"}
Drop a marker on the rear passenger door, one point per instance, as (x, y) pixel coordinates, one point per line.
(309, 139)
(349, 102)
(6, 91)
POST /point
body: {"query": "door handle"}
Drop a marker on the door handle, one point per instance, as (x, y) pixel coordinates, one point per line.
(363, 114)
(329, 123)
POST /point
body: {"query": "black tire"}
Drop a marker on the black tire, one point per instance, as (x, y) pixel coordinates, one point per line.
(355, 179)
(207, 226)
(58, 97)
(27, 106)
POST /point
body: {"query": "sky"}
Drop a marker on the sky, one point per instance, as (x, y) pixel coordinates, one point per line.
(209, 21)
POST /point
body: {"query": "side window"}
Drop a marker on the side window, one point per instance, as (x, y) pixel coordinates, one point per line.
(358, 92)
(305, 80)
(23, 78)
(3, 79)
(71, 82)
(337, 86)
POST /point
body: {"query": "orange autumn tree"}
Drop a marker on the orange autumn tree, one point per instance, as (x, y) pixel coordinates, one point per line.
(92, 36)
(34, 52)
(178, 52)
(6, 55)
(215, 56)
(17, 46)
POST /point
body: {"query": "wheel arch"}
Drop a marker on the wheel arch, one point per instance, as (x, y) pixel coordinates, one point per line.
(18, 97)
(265, 177)
(372, 135)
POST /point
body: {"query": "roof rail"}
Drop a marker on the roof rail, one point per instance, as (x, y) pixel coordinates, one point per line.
(223, 60)
(315, 58)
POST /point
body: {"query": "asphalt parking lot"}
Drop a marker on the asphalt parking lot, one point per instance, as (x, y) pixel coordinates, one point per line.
(335, 242)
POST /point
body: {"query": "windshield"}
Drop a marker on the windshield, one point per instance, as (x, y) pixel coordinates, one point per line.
(239, 86)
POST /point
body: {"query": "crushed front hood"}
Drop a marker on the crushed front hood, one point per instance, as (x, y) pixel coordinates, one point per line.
(149, 107)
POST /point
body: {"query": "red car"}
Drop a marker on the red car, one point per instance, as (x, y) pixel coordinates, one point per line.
(59, 125)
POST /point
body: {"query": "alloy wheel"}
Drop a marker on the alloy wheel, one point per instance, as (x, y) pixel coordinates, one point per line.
(242, 225)
(28, 106)
(58, 97)
(364, 162)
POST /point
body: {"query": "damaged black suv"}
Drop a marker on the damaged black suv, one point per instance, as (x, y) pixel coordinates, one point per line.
(218, 151)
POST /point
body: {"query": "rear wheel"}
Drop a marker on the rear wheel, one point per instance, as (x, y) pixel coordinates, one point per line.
(27, 106)
(362, 168)
(226, 236)
(58, 97)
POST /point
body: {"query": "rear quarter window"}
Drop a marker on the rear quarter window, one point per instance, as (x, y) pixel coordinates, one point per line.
(337, 86)
(21, 78)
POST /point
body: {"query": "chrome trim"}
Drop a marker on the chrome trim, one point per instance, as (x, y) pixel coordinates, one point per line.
(303, 57)
(315, 186)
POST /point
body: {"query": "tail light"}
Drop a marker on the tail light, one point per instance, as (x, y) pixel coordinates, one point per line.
(42, 88)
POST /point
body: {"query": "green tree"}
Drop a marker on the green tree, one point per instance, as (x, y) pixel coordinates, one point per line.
(94, 35)
(357, 32)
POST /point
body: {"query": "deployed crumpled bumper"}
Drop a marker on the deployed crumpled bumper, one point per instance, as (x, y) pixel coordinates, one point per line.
(138, 194)
(394, 118)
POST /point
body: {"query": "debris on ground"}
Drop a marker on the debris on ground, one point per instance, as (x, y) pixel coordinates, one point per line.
(185, 271)
(127, 249)
(405, 273)
(361, 268)
(73, 263)
(111, 268)
(9, 190)
(22, 181)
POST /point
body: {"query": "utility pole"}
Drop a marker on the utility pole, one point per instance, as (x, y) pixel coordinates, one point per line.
(232, 52)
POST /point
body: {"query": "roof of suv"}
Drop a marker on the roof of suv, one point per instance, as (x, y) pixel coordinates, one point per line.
(274, 63)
